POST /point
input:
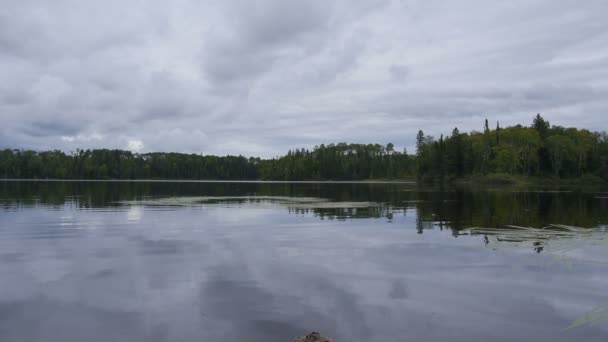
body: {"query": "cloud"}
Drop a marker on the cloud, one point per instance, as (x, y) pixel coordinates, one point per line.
(135, 145)
(255, 35)
(81, 137)
(258, 78)
(398, 72)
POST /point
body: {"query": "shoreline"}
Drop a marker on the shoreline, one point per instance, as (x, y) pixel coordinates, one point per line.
(209, 181)
(474, 181)
(523, 181)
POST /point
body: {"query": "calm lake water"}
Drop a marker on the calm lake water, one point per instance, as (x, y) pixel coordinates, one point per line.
(154, 261)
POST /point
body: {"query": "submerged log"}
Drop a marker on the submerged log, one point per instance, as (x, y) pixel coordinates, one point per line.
(313, 337)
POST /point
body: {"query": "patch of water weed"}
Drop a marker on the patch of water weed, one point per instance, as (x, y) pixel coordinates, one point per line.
(591, 318)
(290, 202)
(555, 238)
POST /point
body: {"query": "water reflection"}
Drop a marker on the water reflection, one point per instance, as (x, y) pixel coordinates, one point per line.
(100, 262)
(455, 209)
(462, 211)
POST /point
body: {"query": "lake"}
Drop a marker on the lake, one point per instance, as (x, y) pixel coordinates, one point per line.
(207, 261)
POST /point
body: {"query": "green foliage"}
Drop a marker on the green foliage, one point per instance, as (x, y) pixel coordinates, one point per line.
(339, 161)
(561, 150)
(117, 164)
(540, 150)
(505, 160)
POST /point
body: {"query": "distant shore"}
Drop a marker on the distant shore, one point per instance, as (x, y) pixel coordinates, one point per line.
(518, 180)
(502, 180)
(212, 181)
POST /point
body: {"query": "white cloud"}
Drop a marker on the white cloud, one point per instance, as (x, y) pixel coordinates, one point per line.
(135, 145)
(82, 138)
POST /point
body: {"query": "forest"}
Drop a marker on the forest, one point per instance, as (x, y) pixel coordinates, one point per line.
(537, 150)
(341, 161)
(119, 164)
(540, 149)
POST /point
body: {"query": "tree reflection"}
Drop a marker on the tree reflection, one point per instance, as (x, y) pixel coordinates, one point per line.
(457, 209)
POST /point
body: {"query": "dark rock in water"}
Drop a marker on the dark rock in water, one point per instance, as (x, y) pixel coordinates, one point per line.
(313, 337)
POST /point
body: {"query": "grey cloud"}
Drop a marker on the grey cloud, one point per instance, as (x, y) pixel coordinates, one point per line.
(227, 65)
(50, 128)
(14, 98)
(163, 98)
(272, 22)
(66, 29)
(262, 77)
(399, 72)
(254, 35)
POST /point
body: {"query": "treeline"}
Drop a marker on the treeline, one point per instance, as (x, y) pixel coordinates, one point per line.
(537, 150)
(118, 164)
(342, 161)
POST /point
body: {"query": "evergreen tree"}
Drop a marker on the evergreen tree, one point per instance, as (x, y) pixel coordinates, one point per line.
(419, 143)
(540, 125)
(497, 133)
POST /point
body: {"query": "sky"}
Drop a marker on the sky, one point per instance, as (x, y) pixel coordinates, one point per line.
(259, 77)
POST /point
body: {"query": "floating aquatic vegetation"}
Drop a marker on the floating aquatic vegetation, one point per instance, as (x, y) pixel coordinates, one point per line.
(557, 239)
(332, 205)
(598, 314)
(290, 202)
(196, 200)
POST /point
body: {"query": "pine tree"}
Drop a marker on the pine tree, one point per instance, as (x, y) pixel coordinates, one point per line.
(541, 126)
(419, 143)
(497, 133)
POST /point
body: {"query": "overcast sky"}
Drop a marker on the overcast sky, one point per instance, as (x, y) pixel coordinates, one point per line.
(258, 77)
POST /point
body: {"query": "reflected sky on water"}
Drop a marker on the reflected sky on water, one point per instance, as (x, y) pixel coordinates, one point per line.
(105, 262)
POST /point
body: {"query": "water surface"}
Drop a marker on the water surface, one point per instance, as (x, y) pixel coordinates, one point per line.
(154, 261)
